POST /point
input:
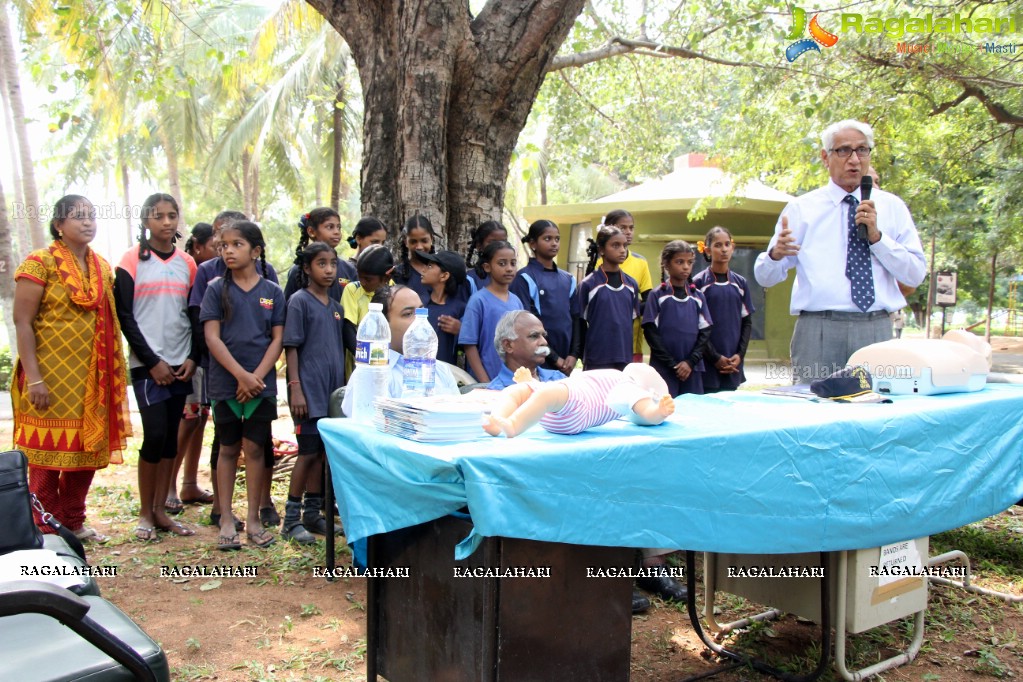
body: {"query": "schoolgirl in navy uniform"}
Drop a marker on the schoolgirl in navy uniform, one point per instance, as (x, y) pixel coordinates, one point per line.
(609, 302)
(731, 308)
(549, 293)
(243, 320)
(489, 231)
(676, 322)
(316, 368)
(319, 225)
(417, 235)
(445, 275)
(367, 232)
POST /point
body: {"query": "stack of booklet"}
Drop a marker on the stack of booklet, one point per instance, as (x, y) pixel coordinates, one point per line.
(436, 418)
(796, 391)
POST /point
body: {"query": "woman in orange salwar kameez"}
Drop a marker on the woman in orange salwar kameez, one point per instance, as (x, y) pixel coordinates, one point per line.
(69, 388)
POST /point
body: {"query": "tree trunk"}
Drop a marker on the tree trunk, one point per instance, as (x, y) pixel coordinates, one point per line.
(445, 98)
(28, 178)
(246, 180)
(991, 295)
(7, 266)
(932, 279)
(254, 185)
(173, 179)
(125, 185)
(19, 220)
(338, 132)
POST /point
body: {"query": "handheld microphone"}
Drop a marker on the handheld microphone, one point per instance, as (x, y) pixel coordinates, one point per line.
(866, 185)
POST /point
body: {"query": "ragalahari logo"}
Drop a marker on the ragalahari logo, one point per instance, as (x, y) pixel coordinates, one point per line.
(802, 45)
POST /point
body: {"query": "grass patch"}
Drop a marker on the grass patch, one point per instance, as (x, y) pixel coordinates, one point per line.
(192, 672)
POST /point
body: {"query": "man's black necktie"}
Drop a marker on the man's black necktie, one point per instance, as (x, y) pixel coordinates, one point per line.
(857, 262)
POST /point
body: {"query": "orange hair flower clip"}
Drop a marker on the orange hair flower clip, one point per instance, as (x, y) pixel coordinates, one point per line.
(701, 246)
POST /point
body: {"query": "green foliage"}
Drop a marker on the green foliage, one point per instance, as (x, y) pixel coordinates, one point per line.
(6, 368)
(213, 88)
(958, 168)
(228, 89)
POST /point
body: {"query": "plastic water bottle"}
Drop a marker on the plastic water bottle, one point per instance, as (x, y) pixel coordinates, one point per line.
(372, 375)
(420, 349)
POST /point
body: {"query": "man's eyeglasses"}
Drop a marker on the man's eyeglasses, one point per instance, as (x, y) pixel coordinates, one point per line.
(845, 152)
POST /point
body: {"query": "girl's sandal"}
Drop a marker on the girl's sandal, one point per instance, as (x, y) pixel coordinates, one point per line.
(145, 534)
(173, 506)
(226, 543)
(261, 538)
(178, 529)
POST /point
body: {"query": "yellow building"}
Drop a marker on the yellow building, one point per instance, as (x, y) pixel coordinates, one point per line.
(660, 208)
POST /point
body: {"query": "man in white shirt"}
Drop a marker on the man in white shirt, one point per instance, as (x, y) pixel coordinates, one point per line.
(845, 286)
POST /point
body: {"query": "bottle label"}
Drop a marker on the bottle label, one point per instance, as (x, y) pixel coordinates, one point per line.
(418, 374)
(429, 376)
(372, 353)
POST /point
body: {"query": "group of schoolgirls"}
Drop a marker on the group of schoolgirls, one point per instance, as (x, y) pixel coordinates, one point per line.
(698, 327)
(225, 316)
(205, 327)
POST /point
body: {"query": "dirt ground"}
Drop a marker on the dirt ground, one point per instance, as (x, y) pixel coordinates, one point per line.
(286, 624)
(283, 623)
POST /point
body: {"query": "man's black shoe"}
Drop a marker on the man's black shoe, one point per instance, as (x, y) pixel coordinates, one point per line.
(639, 603)
(665, 587)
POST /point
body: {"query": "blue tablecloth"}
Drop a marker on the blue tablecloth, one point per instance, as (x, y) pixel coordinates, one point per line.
(739, 472)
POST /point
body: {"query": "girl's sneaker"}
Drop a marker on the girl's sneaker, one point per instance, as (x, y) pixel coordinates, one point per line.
(312, 515)
(299, 534)
(293, 529)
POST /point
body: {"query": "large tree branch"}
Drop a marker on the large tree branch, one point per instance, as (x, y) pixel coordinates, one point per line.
(520, 32)
(355, 20)
(945, 106)
(997, 111)
(619, 46)
(969, 83)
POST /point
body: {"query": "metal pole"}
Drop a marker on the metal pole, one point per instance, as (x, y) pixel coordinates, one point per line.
(930, 294)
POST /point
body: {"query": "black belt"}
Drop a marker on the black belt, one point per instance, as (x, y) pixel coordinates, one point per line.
(842, 315)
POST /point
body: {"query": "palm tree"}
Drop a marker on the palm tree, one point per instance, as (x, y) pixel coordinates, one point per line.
(12, 82)
(19, 220)
(299, 55)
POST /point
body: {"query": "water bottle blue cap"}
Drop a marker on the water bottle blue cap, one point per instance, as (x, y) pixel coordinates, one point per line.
(422, 311)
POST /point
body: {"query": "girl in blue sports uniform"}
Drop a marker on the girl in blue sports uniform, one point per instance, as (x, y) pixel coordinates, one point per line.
(609, 302)
(549, 293)
(676, 322)
(731, 308)
(485, 309)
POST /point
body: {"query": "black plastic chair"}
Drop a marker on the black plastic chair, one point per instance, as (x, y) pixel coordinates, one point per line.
(49, 633)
